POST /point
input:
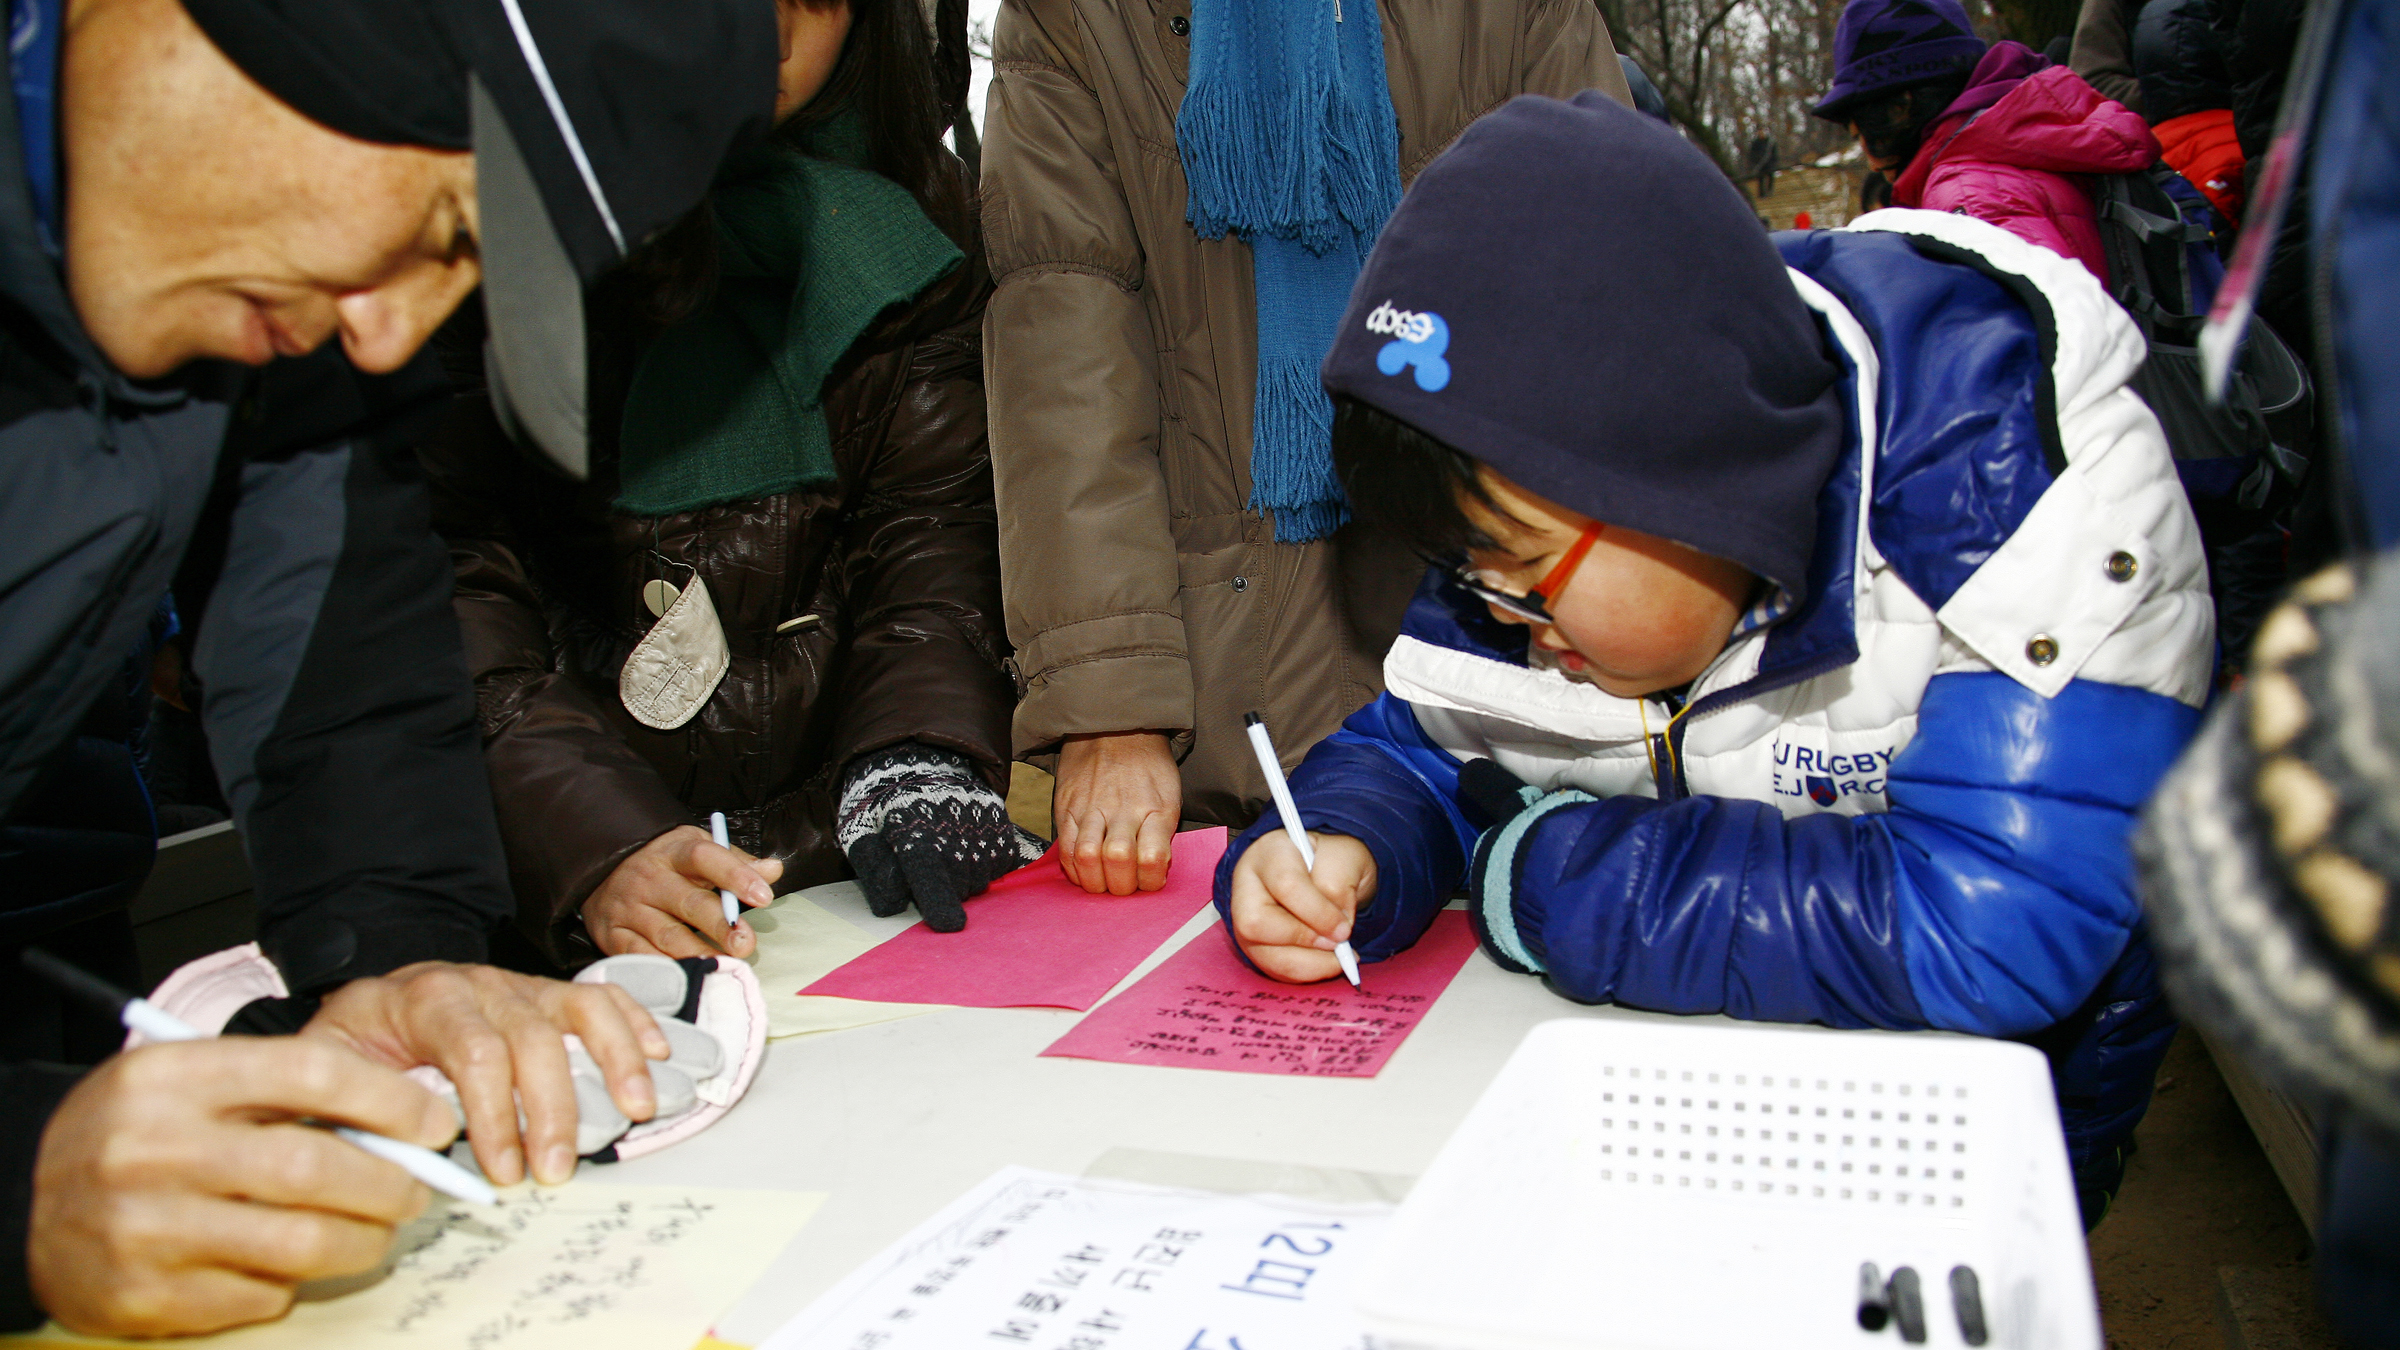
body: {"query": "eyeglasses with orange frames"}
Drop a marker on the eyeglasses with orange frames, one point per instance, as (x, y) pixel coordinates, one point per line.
(1532, 606)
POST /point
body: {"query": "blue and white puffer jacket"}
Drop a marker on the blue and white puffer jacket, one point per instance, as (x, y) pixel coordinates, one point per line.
(1905, 805)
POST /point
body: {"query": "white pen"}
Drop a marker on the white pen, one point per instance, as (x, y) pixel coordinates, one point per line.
(140, 1014)
(716, 831)
(1284, 806)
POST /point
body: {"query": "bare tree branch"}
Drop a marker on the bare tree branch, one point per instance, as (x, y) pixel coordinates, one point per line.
(1730, 71)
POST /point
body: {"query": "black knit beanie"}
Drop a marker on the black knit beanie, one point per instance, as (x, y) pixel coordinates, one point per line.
(1575, 296)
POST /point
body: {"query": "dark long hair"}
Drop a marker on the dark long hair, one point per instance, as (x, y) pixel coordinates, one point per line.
(894, 75)
(906, 89)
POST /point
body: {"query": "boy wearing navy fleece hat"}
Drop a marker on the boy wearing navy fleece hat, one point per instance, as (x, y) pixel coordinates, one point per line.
(1808, 617)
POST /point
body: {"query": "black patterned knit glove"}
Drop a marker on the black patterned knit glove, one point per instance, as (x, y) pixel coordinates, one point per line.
(919, 826)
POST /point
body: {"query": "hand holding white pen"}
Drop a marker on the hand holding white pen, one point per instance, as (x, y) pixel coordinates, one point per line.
(158, 1024)
(178, 1191)
(668, 897)
(1290, 812)
(733, 907)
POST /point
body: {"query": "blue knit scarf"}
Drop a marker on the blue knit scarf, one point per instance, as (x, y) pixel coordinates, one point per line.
(1289, 141)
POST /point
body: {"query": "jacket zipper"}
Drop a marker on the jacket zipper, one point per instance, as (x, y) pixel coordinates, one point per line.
(1677, 726)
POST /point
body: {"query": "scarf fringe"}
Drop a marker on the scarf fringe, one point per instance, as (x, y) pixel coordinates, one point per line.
(1291, 473)
(1344, 188)
(1364, 182)
(1289, 141)
(1256, 164)
(1236, 183)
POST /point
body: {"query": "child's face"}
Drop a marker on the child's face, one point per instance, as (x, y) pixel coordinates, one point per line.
(1638, 615)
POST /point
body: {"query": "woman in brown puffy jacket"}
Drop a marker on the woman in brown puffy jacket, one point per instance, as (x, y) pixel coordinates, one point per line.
(777, 596)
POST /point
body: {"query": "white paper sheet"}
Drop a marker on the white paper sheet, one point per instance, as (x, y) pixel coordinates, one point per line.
(1040, 1261)
(799, 943)
(588, 1266)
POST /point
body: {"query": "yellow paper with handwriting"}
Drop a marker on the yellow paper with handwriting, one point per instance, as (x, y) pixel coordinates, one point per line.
(588, 1266)
(800, 943)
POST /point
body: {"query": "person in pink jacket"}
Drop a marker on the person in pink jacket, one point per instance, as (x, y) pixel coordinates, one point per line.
(1998, 132)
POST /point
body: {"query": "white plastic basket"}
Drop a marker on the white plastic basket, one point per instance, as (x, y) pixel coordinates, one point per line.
(1648, 1185)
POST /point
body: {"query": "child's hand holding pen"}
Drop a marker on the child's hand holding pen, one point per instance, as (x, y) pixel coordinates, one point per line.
(1287, 916)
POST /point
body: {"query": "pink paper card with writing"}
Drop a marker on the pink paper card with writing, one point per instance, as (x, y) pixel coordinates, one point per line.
(1035, 939)
(1203, 1009)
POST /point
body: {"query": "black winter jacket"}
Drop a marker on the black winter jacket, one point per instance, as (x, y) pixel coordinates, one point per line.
(858, 614)
(2179, 56)
(286, 509)
(295, 533)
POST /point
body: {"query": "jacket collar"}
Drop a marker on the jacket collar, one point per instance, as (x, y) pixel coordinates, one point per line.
(2048, 120)
(1821, 633)
(2005, 65)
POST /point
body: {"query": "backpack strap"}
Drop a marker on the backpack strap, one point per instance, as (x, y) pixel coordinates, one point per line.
(2146, 237)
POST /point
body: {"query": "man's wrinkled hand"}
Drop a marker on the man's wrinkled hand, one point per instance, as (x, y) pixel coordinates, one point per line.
(175, 1191)
(496, 1035)
(1289, 917)
(1118, 800)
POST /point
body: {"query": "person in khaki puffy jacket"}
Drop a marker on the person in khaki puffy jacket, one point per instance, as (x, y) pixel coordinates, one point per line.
(1151, 600)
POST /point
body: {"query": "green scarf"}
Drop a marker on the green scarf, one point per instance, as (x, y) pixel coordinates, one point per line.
(728, 405)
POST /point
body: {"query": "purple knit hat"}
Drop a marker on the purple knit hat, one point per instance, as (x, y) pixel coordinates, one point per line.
(1886, 45)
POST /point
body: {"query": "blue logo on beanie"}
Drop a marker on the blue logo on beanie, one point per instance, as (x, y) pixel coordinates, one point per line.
(1420, 339)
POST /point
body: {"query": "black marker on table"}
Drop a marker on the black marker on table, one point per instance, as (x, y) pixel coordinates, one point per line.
(1966, 1298)
(1874, 1301)
(140, 1014)
(1908, 1305)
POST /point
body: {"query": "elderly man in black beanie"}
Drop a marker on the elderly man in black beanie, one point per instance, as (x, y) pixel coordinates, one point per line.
(187, 190)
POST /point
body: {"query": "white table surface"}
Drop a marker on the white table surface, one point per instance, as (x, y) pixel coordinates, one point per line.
(895, 1120)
